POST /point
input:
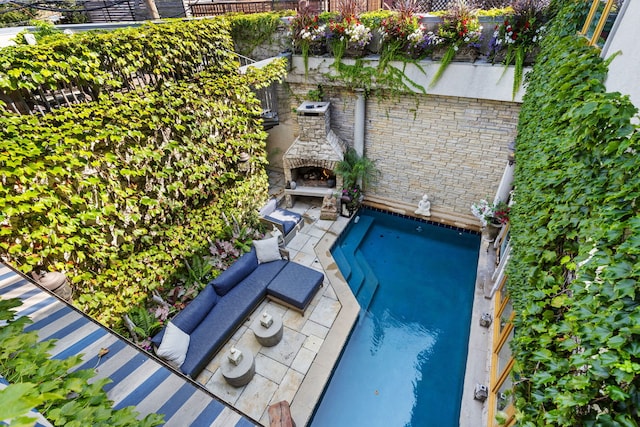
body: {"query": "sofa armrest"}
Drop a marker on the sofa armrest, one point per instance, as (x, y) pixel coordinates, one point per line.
(271, 224)
(267, 209)
(284, 253)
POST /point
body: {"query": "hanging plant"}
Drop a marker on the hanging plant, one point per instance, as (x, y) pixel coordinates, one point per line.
(518, 37)
(460, 31)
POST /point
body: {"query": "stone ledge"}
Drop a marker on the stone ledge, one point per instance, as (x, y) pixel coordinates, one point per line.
(468, 222)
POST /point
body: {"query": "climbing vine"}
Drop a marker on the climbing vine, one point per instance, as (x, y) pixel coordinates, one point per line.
(126, 59)
(574, 271)
(117, 192)
(252, 30)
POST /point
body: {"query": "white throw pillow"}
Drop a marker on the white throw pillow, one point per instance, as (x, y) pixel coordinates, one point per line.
(267, 250)
(174, 345)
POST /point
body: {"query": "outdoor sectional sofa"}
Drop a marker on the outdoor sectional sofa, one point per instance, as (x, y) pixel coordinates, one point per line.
(191, 338)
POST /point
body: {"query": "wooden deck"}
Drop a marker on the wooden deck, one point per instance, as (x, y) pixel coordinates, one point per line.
(137, 379)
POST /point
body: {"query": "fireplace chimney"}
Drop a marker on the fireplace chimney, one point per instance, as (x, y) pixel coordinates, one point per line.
(316, 146)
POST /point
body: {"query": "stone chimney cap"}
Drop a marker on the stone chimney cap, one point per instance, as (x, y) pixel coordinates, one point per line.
(313, 108)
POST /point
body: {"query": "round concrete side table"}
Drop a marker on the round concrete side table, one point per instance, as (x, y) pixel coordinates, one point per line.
(270, 336)
(240, 374)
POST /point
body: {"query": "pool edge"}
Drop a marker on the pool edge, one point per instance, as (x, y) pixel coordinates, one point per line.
(314, 383)
(473, 412)
(476, 370)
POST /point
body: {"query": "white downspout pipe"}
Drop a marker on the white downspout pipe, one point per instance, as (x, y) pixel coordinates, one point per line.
(502, 195)
(358, 127)
(506, 183)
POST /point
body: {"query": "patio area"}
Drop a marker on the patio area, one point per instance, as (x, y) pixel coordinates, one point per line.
(297, 368)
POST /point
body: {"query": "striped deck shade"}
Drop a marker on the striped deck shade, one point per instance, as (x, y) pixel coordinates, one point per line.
(136, 379)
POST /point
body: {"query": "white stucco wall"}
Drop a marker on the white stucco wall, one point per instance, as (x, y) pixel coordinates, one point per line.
(479, 80)
(624, 71)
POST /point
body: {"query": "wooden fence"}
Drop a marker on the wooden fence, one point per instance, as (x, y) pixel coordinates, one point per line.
(222, 7)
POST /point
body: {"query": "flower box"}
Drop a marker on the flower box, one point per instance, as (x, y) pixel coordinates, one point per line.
(501, 56)
(463, 54)
(354, 51)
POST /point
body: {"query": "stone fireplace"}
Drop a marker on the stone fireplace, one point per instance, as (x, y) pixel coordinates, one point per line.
(310, 161)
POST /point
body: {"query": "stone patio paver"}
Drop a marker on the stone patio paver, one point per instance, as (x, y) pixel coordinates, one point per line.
(326, 312)
(312, 328)
(285, 352)
(303, 360)
(256, 396)
(270, 368)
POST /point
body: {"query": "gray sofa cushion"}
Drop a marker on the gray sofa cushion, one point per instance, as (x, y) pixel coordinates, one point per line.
(285, 217)
(235, 273)
(191, 316)
(296, 285)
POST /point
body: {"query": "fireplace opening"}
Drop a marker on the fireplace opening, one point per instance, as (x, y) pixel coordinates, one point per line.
(314, 177)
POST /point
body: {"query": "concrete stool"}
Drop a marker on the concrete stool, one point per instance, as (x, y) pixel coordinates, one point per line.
(270, 336)
(240, 374)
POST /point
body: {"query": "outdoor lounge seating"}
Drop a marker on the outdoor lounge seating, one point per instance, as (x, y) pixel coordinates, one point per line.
(191, 338)
(287, 222)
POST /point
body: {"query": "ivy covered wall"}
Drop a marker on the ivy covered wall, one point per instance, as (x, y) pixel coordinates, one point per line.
(117, 191)
(574, 270)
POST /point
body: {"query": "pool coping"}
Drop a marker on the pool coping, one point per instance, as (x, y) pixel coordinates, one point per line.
(476, 370)
(316, 379)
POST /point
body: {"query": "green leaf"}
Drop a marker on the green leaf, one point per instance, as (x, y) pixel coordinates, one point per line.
(18, 399)
(616, 393)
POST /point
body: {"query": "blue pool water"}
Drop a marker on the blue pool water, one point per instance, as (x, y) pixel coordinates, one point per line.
(404, 363)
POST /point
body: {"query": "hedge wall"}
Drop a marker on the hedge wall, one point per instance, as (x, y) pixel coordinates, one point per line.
(117, 192)
(574, 272)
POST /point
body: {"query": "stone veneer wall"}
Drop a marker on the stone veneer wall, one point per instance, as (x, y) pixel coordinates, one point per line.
(454, 149)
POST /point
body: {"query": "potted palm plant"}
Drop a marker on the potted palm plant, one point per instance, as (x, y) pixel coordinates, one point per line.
(356, 172)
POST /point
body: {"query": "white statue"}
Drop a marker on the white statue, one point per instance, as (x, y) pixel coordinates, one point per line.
(424, 206)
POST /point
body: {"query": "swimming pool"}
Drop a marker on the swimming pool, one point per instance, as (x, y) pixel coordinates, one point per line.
(404, 363)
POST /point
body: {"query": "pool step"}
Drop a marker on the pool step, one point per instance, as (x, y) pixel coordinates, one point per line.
(349, 268)
(353, 265)
(358, 231)
(370, 284)
(357, 275)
